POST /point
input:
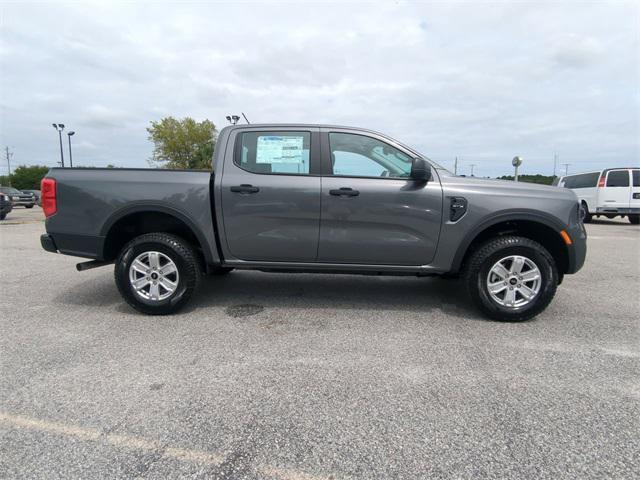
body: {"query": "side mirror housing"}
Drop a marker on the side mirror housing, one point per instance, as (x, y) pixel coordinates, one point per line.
(420, 170)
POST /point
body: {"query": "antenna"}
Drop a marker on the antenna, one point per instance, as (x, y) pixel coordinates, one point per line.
(245, 117)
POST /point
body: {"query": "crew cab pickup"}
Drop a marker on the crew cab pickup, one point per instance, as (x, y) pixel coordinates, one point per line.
(315, 198)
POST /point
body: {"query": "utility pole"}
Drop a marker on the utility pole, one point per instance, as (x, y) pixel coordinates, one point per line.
(566, 168)
(472, 165)
(8, 155)
(455, 166)
(555, 163)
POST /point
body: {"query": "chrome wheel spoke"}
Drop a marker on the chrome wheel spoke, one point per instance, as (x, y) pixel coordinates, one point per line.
(139, 267)
(154, 261)
(168, 284)
(510, 297)
(496, 287)
(516, 265)
(531, 275)
(500, 271)
(168, 269)
(140, 283)
(526, 292)
(154, 291)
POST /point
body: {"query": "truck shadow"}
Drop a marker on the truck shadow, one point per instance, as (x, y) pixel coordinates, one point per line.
(325, 291)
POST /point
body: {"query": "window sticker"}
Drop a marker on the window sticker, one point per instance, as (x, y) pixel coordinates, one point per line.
(280, 149)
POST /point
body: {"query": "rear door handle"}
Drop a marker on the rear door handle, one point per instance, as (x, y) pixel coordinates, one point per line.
(245, 188)
(344, 192)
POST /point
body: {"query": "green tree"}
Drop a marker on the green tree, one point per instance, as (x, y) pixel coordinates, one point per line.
(182, 143)
(27, 177)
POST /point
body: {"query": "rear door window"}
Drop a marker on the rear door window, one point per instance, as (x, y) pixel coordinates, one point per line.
(618, 178)
(274, 152)
(636, 177)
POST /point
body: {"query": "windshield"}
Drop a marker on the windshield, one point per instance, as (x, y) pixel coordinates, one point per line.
(9, 190)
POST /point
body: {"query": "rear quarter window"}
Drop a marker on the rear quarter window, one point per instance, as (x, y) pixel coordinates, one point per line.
(586, 180)
(618, 178)
(636, 177)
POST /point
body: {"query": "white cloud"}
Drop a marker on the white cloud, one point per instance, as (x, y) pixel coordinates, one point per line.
(481, 81)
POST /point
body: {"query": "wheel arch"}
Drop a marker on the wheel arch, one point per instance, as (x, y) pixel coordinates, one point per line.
(534, 225)
(132, 221)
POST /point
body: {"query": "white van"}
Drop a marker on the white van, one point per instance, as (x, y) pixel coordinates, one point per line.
(610, 192)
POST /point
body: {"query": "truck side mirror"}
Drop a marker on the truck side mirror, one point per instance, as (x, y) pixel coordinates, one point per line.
(420, 170)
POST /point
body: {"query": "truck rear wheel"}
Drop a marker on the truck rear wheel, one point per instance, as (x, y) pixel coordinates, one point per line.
(511, 278)
(157, 273)
(634, 219)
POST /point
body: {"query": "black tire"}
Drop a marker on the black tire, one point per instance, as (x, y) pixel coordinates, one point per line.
(634, 219)
(179, 251)
(28, 206)
(487, 255)
(587, 216)
(3, 216)
(220, 270)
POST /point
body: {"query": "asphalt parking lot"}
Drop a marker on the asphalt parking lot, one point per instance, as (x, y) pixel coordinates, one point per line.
(309, 377)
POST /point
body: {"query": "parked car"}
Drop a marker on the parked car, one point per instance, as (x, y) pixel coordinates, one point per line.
(5, 206)
(611, 192)
(36, 193)
(303, 198)
(19, 198)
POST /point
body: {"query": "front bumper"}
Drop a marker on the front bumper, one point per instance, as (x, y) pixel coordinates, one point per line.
(23, 203)
(618, 210)
(577, 251)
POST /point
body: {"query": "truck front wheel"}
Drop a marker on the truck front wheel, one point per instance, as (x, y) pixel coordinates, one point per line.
(511, 278)
(157, 273)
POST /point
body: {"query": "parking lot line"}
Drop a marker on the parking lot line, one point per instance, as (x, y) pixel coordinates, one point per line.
(137, 443)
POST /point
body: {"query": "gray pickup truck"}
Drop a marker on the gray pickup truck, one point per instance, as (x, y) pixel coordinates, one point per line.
(315, 198)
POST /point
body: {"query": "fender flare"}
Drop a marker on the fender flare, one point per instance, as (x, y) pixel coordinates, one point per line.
(159, 208)
(504, 216)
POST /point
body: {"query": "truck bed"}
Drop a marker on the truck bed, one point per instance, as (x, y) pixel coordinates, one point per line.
(92, 200)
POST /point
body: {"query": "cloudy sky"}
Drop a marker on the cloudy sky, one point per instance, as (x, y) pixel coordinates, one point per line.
(483, 81)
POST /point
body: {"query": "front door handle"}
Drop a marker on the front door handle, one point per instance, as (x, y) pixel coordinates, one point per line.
(344, 192)
(245, 188)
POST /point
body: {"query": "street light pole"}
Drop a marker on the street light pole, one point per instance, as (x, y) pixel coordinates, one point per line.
(60, 127)
(472, 165)
(566, 168)
(70, 156)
